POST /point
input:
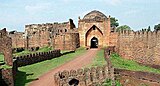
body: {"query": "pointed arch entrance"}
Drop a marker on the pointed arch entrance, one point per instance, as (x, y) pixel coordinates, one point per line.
(94, 43)
(94, 37)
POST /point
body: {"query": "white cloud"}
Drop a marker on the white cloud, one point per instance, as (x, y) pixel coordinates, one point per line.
(38, 8)
(113, 2)
(131, 12)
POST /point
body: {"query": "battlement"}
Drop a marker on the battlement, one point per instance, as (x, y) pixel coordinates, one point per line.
(141, 46)
(36, 57)
(84, 77)
(138, 33)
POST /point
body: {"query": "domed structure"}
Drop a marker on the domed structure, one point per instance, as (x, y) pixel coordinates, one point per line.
(94, 30)
(94, 15)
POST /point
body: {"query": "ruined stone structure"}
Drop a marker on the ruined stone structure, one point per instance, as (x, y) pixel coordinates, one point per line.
(86, 77)
(17, 39)
(57, 35)
(6, 50)
(94, 31)
(62, 36)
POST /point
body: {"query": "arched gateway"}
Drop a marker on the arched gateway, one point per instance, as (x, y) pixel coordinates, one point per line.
(94, 43)
(94, 30)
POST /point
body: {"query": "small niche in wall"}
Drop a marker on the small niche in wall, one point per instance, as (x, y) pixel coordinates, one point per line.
(65, 30)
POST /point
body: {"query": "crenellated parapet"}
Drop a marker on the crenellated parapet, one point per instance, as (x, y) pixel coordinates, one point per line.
(138, 33)
(36, 57)
(142, 46)
(82, 77)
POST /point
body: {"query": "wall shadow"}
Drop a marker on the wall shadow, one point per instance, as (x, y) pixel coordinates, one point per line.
(21, 78)
(65, 53)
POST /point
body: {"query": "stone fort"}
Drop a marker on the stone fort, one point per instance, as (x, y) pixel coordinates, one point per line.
(94, 31)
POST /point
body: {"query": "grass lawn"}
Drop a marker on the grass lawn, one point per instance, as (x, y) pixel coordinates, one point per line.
(98, 60)
(121, 63)
(1, 58)
(29, 73)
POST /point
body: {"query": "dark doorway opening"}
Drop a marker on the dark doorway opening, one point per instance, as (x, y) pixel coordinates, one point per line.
(94, 42)
(74, 82)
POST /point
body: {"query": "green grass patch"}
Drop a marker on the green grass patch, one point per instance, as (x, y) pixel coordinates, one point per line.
(99, 59)
(25, 52)
(45, 49)
(5, 66)
(1, 57)
(29, 73)
(108, 82)
(121, 63)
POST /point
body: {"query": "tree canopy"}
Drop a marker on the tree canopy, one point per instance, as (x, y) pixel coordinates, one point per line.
(123, 27)
(148, 29)
(157, 27)
(114, 22)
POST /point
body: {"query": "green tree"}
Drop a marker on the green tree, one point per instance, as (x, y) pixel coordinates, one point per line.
(149, 28)
(123, 27)
(114, 22)
(157, 27)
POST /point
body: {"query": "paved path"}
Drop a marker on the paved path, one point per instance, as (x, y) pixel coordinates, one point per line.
(79, 62)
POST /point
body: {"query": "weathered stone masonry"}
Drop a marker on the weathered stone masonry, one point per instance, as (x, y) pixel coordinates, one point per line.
(142, 47)
(85, 77)
(6, 49)
(36, 57)
(58, 35)
(93, 28)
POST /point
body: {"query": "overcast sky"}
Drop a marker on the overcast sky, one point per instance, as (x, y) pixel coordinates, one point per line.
(138, 14)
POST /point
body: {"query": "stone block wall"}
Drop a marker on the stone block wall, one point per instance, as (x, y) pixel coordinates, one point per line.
(37, 57)
(67, 41)
(6, 49)
(139, 76)
(83, 77)
(142, 47)
(40, 35)
(113, 38)
(18, 39)
(38, 38)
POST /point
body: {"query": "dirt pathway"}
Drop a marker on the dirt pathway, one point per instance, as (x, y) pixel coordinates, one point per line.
(79, 62)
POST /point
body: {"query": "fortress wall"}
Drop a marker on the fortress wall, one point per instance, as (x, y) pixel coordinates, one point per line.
(141, 46)
(36, 57)
(113, 37)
